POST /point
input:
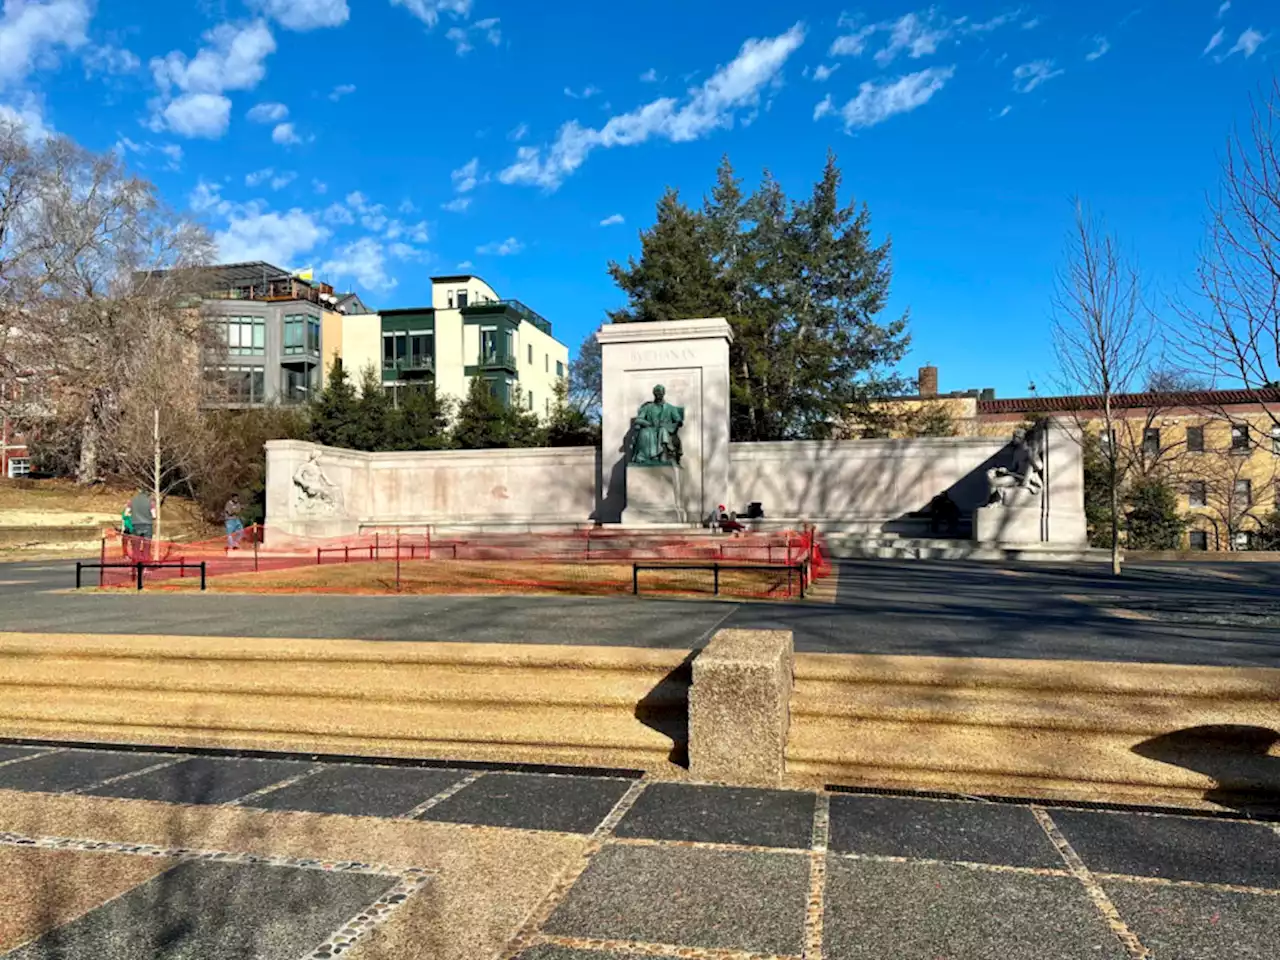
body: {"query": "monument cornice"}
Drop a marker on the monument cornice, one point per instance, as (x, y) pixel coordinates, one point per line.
(705, 328)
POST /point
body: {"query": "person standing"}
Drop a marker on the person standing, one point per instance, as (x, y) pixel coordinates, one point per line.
(235, 525)
(140, 508)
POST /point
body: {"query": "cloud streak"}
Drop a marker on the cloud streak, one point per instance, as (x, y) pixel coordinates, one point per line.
(876, 103)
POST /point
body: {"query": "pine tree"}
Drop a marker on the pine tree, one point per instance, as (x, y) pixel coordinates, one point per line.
(333, 412)
(486, 422)
(568, 426)
(422, 421)
(373, 424)
(1152, 521)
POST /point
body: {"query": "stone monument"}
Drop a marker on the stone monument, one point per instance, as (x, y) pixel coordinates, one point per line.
(663, 463)
(1021, 507)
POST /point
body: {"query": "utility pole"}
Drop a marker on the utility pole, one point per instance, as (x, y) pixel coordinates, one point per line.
(155, 437)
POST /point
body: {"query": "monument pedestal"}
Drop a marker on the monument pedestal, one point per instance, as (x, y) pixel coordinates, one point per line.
(655, 495)
(1009, 523)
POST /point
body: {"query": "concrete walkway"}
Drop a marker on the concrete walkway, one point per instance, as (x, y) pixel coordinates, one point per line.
(156, 856)
(1224, 614)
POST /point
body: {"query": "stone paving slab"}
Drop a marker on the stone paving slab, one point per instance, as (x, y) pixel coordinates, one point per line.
(532, 802)
(198, 911)
(73, 769)
(1186, 923)
(360, 791)
(735, 900)
(1176, 848)
(940, 830)
(914, 911)
(203, 780)
(709, 814)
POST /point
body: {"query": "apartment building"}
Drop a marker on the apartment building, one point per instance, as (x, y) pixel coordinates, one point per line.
(470, 331)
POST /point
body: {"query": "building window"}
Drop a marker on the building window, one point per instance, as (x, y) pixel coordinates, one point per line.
(301, 335)
(560, 369)
(1244, 492)
(450, 299)
(489, 345)
(1195, 439)
(19, 467)
(233, 384)
(1197, 494)
(246, 336)
(1199, 540)
(1151, 442)
(462, 299)
(530, 399)
(422, 350)
(1240, 438)
(1243, 540)
(1275, 441)
(546, 363)
(531, 354)
(296, 385)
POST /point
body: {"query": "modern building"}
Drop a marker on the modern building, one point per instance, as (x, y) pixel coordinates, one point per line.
(470, 331)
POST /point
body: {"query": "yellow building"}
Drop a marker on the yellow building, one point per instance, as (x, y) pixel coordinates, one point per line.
(1218, 449)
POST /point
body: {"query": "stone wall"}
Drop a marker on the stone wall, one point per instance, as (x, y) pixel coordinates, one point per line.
(873, 484)
(342, 491)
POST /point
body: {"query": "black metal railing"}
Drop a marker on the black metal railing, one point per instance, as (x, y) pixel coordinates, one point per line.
(140, 567)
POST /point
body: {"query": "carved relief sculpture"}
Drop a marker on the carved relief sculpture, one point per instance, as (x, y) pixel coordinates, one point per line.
(1024, 480)
(315, 494)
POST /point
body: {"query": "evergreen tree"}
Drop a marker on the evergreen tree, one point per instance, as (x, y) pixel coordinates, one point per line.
(801, 283)
(333, 412)
(1097, 492)
(568, 426)
(1152, 521)
(373, 425)
(486, 422)
(422, 422)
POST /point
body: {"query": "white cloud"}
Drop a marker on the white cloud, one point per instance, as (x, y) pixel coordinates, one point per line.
(462, 36)
(207, 197)
(1031, 24)
(501, 248)
(365, 260)
(1005, 111)
(587, 93)
(466, 177)
(108, 61)
(917, 34)
(649, 76)
(342, 90)
(319, 187)
(876, 103)
(406, 206)
(402, 251)
(337, 213)
(285, 135)
(268, 113)
(233, 59)
(428, 11)
(852, 44)
(1028, 76)
(822, 72)
(465, 265)
(282, 180)
(519, 133)
(613, 221)
(1248, 43)
(986, 26)
(372, 215)
(1215, 41)
(457, 205)
(825, 106)
(32, 31)
(709, 107)
(1100, 48)
(305, 14)
(253, 234)
(258, 176)
(173, 152)
(170, 151)
(197, 115)
(1226, 5)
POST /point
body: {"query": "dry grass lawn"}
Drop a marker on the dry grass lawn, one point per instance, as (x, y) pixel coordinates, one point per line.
(493, 576)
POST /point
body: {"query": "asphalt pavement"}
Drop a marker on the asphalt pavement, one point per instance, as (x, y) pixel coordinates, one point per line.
(1214, 614)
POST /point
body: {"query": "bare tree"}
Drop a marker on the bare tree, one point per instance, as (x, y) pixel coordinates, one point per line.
(1101, 335)
(1231, 325)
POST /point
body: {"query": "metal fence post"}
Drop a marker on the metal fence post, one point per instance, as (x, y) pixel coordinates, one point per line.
(715, 567)
(78, 573)
(139, 566)
(255, 554)
(204, 567)
(397, 563)
(317, 556)
(635, 579)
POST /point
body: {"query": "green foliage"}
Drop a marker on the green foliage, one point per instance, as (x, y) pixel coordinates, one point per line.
(802, 285)
(334, 420)
(1097, 493)
(421, 422)
(1268, 537)
(1152, 521)
(568, 425)
(585, 376)
(374, 419)
(235, 459)
(485, 422)
(932, 420)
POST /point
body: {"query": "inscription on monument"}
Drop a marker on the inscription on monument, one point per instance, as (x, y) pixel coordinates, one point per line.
(663, 355)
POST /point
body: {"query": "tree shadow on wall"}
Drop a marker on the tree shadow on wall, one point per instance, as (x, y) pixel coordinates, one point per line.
(1236, 756)
(665, 709)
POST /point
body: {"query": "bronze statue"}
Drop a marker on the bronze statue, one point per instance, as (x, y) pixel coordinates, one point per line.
(657, 425)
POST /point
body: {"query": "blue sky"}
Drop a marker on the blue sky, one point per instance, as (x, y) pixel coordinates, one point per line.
(382, 141)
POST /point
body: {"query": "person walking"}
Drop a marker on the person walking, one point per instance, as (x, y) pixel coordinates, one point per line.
(231, 515)
(142, 514)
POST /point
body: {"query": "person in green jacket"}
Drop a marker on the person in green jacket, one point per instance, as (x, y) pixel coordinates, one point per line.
(126, 520)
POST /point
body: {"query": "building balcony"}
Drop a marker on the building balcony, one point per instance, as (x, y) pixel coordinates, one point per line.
(498, 360)
(410, 367)
(510, 308)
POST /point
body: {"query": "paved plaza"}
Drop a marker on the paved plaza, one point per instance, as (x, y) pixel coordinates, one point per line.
(1225, 614)
(146, 855)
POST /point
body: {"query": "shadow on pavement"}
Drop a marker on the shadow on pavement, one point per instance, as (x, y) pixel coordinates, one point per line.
(1236, 756)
